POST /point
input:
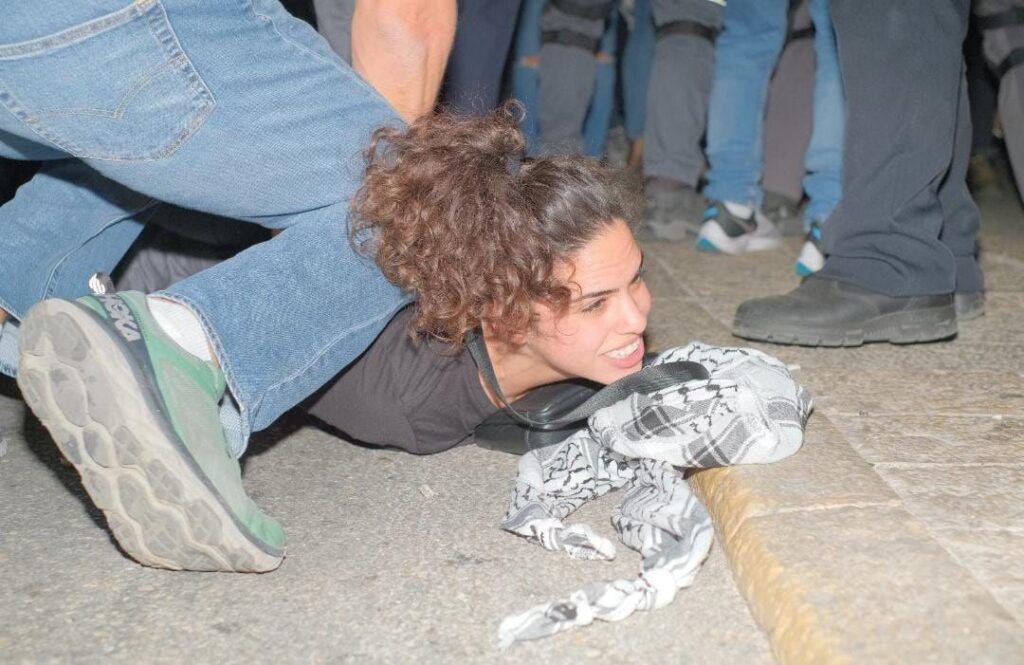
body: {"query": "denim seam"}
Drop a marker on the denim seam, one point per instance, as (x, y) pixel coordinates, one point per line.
(203, 103)
(75, 34)
(118, 111)
(7, 308)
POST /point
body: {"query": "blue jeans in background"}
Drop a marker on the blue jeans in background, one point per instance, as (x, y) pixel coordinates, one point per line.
(637, 58)
(745, 57)
(234, 108)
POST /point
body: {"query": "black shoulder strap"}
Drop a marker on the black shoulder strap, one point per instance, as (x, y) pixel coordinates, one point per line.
(647, 380)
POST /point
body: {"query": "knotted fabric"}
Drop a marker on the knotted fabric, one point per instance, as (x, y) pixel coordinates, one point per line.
(749, 411)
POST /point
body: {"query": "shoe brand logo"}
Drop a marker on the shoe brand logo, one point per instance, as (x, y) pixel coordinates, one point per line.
(96, 284)
(124, 322)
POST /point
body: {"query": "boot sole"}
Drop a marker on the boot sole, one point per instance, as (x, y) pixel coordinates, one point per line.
(910, 327)
(159, 504)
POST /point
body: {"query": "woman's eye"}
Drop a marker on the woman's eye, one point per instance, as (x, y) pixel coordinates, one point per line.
(639, 277)
(595, 306)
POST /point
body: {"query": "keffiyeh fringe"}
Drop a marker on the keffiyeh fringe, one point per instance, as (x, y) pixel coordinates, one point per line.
(749, 411)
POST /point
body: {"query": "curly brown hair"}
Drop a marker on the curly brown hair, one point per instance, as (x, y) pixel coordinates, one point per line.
(454, 213)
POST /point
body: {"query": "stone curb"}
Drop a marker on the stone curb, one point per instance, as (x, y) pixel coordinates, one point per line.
(777, 600)
(835, 570)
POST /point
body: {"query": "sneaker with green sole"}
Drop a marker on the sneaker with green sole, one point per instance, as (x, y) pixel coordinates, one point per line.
(138, 417)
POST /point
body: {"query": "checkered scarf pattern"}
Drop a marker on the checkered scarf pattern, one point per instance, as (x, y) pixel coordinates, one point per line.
(749, 411)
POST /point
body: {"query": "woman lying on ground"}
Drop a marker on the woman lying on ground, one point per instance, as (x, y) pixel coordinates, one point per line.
(538, 254)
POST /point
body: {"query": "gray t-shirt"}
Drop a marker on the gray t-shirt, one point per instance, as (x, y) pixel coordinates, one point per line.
(410, 394)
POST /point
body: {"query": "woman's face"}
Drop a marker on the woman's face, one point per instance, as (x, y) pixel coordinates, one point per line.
(601, 336)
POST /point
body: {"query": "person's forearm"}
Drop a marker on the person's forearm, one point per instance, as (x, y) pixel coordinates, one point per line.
(401, 48)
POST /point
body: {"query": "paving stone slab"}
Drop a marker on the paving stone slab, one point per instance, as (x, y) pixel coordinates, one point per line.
(1001, 324)
(866, 585)
(825, 474)
(751, 275)
(723, 309)
(958, 355)
(934, 439)
(679, 321)
(919, 392)
(996, 558)
(1003, 273)
(980, 497)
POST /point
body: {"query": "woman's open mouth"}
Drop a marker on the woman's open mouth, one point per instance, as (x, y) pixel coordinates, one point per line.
(627, 356)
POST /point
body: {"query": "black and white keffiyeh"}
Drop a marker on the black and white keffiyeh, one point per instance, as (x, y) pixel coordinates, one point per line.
(749, 411)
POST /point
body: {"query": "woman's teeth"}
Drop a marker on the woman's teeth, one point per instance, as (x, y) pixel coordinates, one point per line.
(625, 351)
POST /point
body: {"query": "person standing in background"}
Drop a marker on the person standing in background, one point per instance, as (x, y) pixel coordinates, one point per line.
(901, 245)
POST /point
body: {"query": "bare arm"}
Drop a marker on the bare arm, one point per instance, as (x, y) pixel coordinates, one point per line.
(401, 48)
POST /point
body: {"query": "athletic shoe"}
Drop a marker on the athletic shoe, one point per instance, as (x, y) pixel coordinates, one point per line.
(730, 229)
(827, 312)
(137, 416)
(811, 258)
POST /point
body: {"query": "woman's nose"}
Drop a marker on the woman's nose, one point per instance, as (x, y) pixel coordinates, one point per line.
(635, 308)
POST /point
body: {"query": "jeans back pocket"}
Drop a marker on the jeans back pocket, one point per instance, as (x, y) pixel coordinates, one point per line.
(115, 88)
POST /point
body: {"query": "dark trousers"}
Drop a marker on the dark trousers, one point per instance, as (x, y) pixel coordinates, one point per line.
(483, 37)
(906, 224)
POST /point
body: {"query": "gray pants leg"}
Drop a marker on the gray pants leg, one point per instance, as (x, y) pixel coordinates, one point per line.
(566, 77)
(334, 21)
(961, 218)
(902, 67)
(678, 93)
(997, 44)
(789, 114)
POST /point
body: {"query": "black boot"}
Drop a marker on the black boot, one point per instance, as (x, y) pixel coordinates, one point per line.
(827, 312)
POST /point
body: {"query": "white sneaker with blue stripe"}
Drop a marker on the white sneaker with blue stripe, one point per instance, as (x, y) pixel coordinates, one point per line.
(732, 228)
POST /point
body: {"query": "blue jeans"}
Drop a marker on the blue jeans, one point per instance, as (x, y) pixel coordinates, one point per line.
(232, 108)
(637, 58)
(745, 56)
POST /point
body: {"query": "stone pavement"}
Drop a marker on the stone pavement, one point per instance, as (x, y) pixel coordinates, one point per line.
(895, 535)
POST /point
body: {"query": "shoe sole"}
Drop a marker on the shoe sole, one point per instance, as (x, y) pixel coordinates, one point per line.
(158, 503)
(713, 239)
(927, 325)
